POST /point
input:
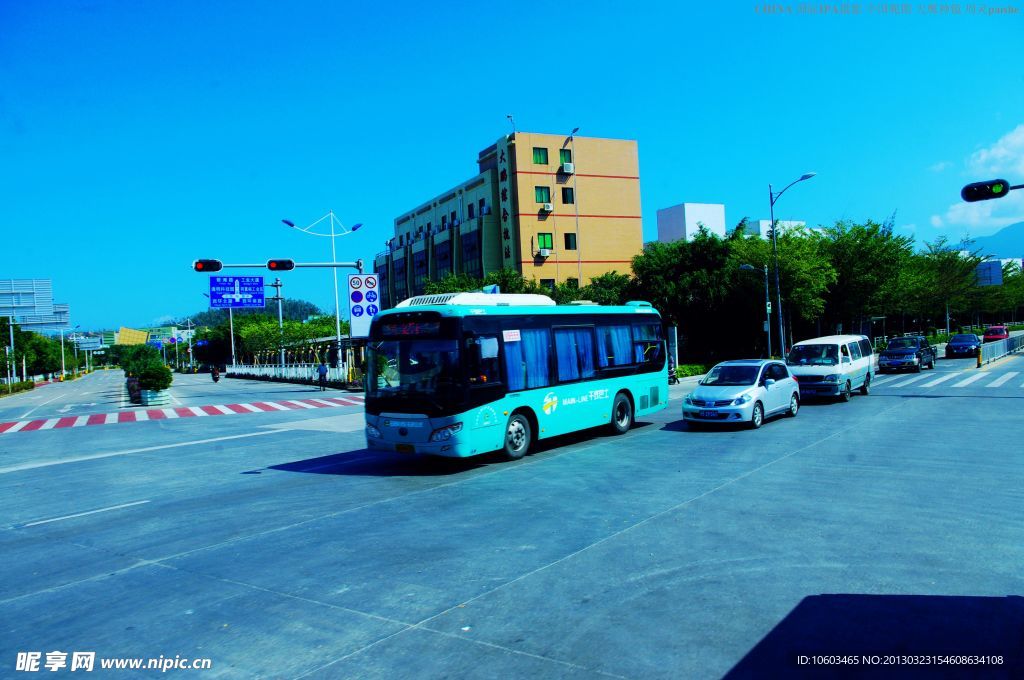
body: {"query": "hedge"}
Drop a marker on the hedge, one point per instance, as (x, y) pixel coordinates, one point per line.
(14, 388)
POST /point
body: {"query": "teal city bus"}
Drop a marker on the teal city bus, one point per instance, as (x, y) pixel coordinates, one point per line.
(462, 374)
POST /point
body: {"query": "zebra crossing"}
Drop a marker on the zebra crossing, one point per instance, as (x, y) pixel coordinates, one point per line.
(968, 378)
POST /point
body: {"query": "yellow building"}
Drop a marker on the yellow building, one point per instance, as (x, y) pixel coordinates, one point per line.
(550, 206)
(130, 336)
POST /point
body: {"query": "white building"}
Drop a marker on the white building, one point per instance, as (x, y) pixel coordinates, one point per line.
(763, 227)
(683, 221)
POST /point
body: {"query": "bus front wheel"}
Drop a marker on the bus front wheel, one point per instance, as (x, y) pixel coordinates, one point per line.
(622, 414)
(517, 437)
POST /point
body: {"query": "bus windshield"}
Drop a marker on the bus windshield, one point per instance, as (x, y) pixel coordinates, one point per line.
(413, 367)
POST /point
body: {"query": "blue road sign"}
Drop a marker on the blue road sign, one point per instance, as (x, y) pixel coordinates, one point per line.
(371, 296)
(357, 296)
(357, 310)
(371, 309)
(236, 291)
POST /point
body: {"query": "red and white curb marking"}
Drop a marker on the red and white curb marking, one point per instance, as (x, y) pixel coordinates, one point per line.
(177, 412)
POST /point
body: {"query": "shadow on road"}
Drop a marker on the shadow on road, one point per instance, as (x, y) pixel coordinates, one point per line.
(891, 625)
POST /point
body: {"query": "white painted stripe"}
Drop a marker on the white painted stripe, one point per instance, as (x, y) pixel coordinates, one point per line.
(274, 404)
(344, 402)
(1003, 380)
(908, 382)
(49, 424)
(198, 411)
(324, 402)
(885, 379)
(170, 413)
(140, 416)
(968, 381)
(39, 406)
(83, 514)
(79, 421)
(299, 404)
(250, 408)
(110, 419)
(18, 426)
(224, 409)
(78, 459)
(943, 379)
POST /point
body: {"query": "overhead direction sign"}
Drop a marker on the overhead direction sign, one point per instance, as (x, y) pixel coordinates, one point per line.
(362, 307)
(236, 292)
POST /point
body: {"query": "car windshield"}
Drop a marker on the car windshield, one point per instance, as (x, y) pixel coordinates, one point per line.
(721, 376)
(412, 367)
(996, 330)
(902, 343)
(964, 338)
(813, 355)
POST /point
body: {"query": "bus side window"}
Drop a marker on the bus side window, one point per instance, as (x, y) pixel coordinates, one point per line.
(483, 366)
(614, 345)
(527, 360)
(647, 343)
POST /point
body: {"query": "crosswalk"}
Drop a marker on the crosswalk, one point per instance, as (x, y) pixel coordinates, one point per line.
(969, 378)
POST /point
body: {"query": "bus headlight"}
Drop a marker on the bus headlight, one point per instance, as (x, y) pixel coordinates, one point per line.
(372, 431)
(444, 433)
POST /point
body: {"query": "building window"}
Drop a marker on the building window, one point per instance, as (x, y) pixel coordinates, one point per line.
(565, 156)
(419, 272)
(482, 205)
(444, 222)
(570, 241)
(540, 155)
(451, 218)
(470, 209)
(542, 194)
(471, 261)
(443, 259)
(568, 197)
(545, 241)
(548, 283)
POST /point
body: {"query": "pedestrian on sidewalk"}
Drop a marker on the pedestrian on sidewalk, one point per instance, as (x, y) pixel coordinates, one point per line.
(321, 371)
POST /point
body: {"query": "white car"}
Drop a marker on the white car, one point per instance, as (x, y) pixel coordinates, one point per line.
(746, 391)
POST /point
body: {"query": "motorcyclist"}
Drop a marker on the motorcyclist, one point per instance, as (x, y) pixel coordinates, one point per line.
(215, 373)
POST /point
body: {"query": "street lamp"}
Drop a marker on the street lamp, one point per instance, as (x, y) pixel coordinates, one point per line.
(772, 198)
(332, 220)
(767, 304)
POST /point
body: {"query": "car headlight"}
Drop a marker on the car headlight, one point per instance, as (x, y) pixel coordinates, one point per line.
(372, 431)
(739, 401)
(834, 378)
(687, 400)
(444, 433)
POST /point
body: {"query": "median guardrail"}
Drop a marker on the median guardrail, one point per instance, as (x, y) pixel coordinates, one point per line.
(990, 351)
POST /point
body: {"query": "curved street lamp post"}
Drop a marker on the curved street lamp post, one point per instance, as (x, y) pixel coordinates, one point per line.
(772, 198)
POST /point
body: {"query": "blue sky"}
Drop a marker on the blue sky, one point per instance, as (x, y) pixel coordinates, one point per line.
(136, 137)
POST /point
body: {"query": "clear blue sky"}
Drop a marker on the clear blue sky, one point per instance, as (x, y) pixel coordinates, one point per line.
(137, 136)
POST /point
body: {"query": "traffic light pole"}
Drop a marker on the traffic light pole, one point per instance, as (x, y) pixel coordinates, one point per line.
(277, 285)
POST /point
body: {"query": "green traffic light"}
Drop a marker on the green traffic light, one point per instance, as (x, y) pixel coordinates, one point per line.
(997, 188)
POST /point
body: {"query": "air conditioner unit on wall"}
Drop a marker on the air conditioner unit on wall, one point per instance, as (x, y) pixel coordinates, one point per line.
(544, 252)
(547, 207)
(568, 168)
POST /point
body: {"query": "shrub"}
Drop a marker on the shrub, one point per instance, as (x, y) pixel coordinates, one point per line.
(687, 370)
(14, 388)
(153, 375)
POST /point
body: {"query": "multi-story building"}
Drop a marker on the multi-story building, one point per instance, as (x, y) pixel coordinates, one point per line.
(30, 302)
(683, 221)
(763, 228)
(549, 206)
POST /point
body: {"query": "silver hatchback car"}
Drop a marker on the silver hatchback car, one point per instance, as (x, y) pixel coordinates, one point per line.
(745, 391)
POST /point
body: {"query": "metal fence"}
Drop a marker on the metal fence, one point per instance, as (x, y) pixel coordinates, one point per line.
(290, 372)
(990, 351)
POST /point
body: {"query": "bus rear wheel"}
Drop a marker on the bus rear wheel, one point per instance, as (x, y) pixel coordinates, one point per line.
(622, 414)
(518, 437)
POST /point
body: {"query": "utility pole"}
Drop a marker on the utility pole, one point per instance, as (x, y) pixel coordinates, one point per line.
(277, 285)
(231, 329)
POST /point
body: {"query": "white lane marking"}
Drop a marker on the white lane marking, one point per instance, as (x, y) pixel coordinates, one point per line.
(18, 426)
(879, 381)
(49, 424)
(251, 408)
(110, 419)
(170, 413)
(968, 381)
(79, 421)
(96, 456)
(39, 406)
(140, 416)
(907, 382)
(82, 514)
(198, 411)
(224, 409)
(275, 405)
(943, 379)
(1003, 380)
(324, 402)
(174, 398)
(298, 404)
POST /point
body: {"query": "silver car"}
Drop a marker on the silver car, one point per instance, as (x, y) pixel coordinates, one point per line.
(746, 391)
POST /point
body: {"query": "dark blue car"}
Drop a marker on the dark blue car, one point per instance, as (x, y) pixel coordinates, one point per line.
(963, 345)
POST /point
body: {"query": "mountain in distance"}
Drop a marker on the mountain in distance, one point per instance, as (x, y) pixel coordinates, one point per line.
(1007, 242)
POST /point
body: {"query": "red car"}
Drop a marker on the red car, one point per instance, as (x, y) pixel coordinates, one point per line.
(996, 333)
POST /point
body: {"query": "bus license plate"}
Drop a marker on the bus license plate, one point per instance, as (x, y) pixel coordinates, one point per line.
(709, 414)
(405, 448)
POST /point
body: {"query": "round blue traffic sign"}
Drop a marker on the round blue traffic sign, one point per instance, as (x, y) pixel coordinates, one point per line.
(357, 310)
(357, 296)
(371, 296)
(371, 309)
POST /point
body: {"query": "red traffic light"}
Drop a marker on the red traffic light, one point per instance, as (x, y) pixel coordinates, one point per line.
(280, 265)
(207, 265)
(983, 191)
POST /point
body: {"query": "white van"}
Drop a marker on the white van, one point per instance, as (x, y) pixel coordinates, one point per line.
(833, 366)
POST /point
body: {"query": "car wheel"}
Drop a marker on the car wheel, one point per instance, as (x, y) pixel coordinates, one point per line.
(865, 389)
(757, 417)
(517, 437)
(847, 391)
(931, 364)
(622, 414)
(794, 405)
(917, 367)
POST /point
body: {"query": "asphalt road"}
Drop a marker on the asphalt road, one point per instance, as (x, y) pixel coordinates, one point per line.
(275, 545)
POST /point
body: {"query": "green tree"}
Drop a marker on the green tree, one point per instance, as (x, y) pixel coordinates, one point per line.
(608, 289)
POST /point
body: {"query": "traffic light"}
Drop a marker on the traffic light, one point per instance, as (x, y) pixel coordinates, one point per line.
(207, 265)
(983, 191)
(280, 265)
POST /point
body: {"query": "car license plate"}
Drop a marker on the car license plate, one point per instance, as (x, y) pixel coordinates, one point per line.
(405, 448)
(709, 414)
